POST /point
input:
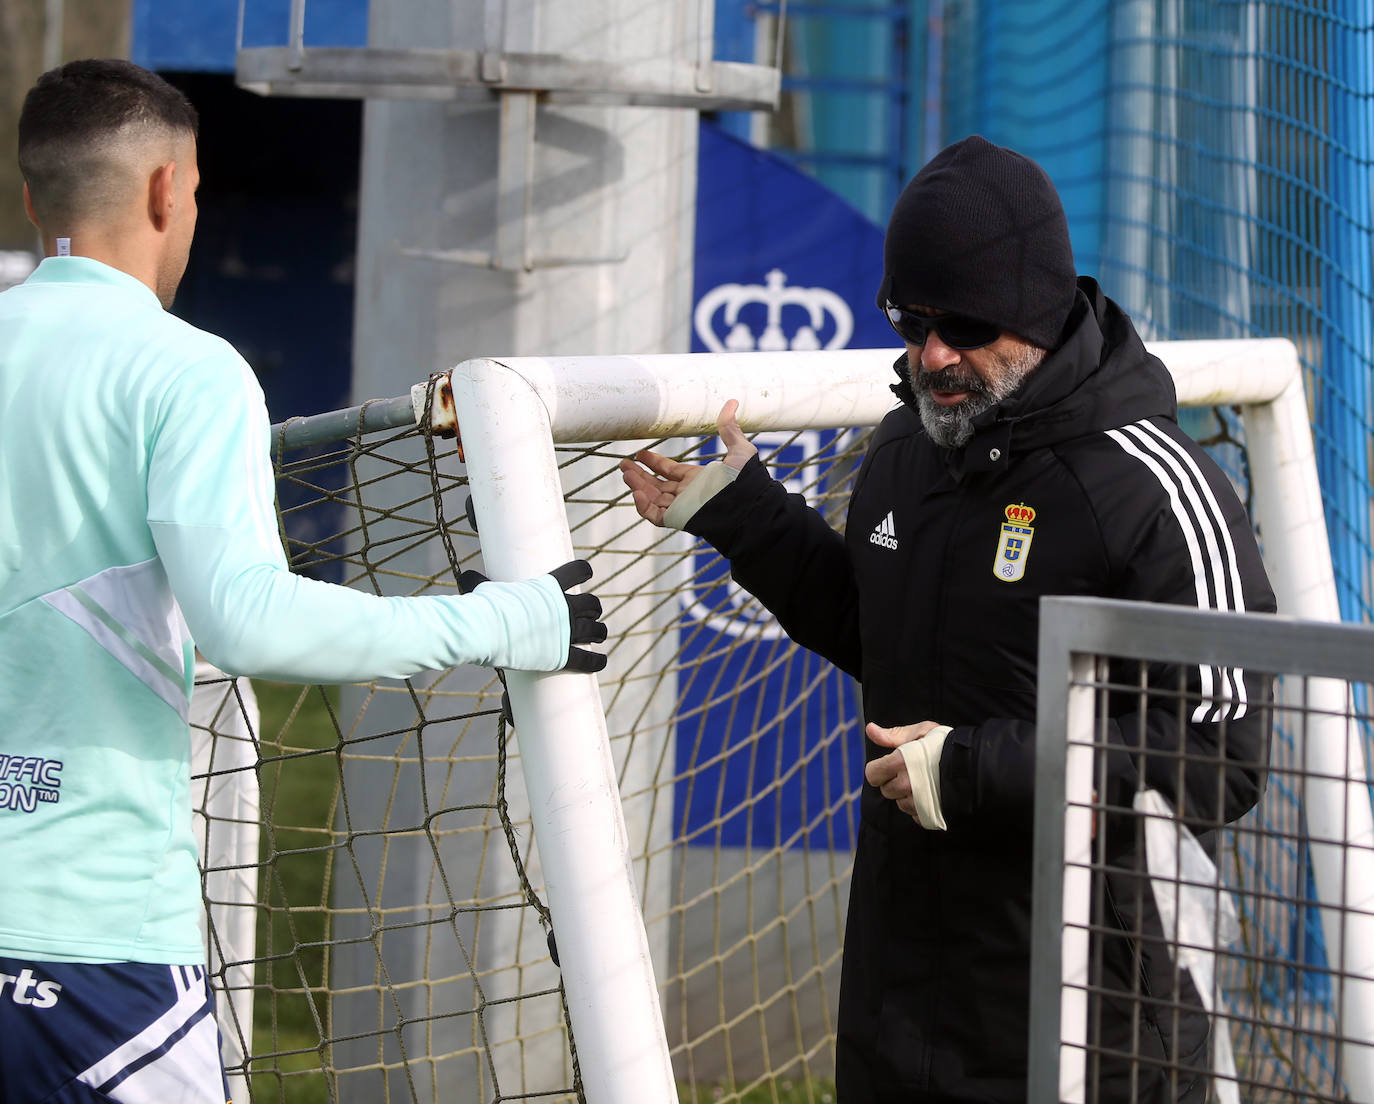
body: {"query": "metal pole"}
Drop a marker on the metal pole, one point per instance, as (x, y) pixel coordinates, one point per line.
(1062, 900)
(503, 224)
(932, 132)
(53, 22)
(297, 40)
(1130, 159)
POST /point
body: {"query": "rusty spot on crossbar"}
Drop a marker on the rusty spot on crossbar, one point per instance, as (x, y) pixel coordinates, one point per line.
(443, 414)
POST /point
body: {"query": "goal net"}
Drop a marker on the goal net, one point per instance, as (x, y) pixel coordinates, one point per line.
(637, 890)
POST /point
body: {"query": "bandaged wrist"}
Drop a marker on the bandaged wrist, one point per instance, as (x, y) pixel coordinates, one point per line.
(922, 758)
(705, 485)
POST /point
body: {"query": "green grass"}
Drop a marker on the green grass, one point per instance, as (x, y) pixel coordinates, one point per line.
(782, 1091)
(297, 806)
(298, 791)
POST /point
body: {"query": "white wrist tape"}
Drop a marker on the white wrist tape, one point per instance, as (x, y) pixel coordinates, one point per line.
(713, 478)
(922, 758)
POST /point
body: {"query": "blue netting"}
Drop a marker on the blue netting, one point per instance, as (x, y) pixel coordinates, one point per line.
(1217, 162)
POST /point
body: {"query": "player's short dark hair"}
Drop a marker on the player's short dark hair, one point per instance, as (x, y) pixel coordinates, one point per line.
(72, 112)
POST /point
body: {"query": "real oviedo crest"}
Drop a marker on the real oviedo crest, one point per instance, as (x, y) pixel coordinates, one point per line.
(1014, 546)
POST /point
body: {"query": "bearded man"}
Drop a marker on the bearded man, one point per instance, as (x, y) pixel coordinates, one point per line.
(1035, 451)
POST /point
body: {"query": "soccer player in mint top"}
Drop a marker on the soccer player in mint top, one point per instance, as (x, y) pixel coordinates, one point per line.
(136, 517)
(1034, 450)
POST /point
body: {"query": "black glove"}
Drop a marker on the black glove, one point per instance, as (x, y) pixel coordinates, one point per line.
(584, 613)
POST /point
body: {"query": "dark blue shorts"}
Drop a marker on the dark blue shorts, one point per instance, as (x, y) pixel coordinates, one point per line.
(87, 1033)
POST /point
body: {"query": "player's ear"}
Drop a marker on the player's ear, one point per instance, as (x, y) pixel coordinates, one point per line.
(28, 207)
(162, 194)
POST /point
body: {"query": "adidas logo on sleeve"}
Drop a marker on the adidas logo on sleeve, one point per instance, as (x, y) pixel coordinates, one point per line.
(884, 535)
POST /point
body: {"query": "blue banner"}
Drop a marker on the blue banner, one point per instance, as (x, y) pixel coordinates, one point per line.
(769, 744)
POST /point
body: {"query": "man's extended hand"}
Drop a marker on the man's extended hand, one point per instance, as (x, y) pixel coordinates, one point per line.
(655, 488)
(889, 774)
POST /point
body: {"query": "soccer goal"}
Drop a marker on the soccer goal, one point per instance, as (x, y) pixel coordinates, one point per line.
(636, 891)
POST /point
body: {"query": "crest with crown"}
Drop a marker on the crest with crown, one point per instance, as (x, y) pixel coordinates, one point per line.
(1020, 514)
(796, 329)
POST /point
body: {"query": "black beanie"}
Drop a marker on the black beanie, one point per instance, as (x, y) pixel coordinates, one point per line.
(980, 231)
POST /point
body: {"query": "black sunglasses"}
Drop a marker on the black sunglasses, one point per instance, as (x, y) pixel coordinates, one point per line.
(958, 331)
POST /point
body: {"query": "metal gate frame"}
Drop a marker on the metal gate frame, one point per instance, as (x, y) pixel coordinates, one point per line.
(1076, 635)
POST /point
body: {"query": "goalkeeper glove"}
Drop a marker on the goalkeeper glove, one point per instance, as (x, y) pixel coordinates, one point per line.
(584, 613)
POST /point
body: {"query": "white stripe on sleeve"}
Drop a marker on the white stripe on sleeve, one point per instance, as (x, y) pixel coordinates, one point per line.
(1216, 572)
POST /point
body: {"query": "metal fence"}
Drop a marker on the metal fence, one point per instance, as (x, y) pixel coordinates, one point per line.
(1229, 917)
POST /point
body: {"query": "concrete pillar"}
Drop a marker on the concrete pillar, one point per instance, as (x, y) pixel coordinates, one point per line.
(504, 226)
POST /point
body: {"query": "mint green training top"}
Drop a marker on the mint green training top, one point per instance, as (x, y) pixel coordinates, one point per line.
(136, 515)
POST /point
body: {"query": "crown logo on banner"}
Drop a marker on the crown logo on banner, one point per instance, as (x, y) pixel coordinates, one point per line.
(782, 330)
(1020, 514)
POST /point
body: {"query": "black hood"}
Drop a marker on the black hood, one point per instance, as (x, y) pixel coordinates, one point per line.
(1100, 377)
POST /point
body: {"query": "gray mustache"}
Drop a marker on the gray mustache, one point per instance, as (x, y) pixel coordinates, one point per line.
(945, 380)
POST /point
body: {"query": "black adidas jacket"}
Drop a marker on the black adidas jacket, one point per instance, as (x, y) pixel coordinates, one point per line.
(915, 602)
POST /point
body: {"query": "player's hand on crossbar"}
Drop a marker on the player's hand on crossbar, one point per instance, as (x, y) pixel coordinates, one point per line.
(584, 613)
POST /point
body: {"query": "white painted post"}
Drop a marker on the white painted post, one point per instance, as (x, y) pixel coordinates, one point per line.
(227, 808)
(1077, 916)
(1340, 821)
(566, 757)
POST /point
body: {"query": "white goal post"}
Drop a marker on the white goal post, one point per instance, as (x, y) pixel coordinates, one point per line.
(510, 414)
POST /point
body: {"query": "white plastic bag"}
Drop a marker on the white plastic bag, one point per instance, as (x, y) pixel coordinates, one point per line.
(1196, 912)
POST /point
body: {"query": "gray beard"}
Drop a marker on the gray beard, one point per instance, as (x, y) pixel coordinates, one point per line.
(952, 426)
